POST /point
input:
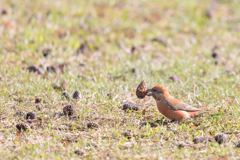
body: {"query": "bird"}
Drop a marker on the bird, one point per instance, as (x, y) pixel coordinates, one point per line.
(171, 107)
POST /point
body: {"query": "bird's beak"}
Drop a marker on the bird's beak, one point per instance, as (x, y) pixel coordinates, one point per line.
(149, 92)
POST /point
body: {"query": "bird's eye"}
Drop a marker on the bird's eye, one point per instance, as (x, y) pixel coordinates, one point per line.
(154, 90)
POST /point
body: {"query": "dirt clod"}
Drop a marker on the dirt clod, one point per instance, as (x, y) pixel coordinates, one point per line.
(38, 100)
(76, 95)
(68, 110)
(220, 138)
(22, 126)
(130, 106)
(31, 115)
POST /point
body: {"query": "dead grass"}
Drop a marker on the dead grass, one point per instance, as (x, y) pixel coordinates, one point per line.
(109, 47)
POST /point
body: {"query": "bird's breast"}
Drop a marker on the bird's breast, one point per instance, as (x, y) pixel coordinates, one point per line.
(170, 113)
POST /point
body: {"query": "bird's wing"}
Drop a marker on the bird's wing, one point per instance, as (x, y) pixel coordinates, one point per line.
(178, 105)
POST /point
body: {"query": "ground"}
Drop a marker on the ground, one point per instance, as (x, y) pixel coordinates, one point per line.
(104, 49)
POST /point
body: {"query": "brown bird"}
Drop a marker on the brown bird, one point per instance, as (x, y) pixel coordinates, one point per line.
(170, 106)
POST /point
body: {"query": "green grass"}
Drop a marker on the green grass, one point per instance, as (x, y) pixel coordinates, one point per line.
(110, 28)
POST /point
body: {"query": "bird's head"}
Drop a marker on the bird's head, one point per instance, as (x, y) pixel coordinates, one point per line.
(158, 92)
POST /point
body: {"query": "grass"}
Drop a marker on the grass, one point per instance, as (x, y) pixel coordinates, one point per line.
(111, 29)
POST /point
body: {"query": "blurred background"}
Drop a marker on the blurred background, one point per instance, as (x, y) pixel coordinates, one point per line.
(107, 43)
(122, 35)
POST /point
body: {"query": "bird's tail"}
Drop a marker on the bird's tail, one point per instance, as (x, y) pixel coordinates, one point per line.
(205, 111)
(200, 112)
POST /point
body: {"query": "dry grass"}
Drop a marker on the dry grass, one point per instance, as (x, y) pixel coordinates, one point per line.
(109, 47)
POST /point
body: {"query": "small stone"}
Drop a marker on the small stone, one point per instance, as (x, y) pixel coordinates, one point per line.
(197, 140)
(76, 95)
(220, 138)
(141, 91)
(30, 115)
(68, 110)
(130, 106)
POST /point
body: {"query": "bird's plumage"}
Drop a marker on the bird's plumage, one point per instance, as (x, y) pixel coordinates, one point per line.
(171, 107)
(175, 104)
